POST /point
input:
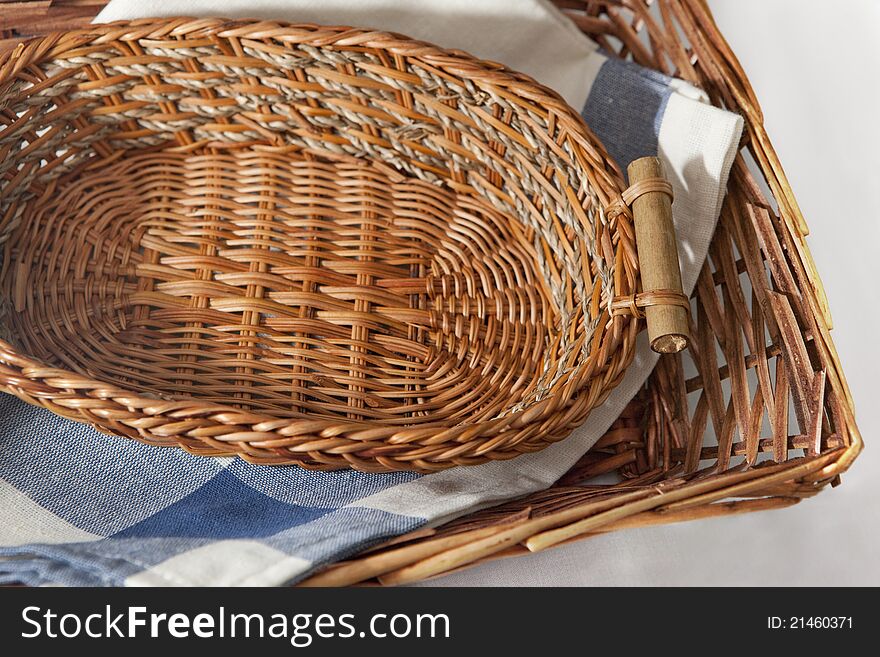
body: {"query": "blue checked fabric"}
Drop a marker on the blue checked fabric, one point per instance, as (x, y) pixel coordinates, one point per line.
(78, 507)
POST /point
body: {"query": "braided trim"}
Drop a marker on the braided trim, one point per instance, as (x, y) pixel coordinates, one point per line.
(633, 303)
(622, 204)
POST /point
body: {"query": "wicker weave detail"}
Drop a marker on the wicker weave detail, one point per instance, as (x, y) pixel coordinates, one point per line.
(307, 245)
(287, 286)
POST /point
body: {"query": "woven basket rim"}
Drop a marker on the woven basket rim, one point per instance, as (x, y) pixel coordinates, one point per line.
(471, 66)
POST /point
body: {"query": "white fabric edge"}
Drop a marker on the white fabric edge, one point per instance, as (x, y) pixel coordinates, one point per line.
(697, 144)
(230, 562)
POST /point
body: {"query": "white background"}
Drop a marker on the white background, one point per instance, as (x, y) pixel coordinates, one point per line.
(815, 72)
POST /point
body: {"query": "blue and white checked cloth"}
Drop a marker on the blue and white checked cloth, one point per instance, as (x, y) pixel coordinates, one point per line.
(81, 508)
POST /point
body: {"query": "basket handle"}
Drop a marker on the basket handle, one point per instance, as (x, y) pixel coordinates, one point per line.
(666, 307)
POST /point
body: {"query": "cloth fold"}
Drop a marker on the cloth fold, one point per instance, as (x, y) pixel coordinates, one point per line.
(78, 507)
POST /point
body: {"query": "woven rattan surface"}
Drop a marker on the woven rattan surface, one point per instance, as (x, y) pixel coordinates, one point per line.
(757, 414)
(323, 246)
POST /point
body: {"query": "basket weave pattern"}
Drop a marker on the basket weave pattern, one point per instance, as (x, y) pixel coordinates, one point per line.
(323, 246)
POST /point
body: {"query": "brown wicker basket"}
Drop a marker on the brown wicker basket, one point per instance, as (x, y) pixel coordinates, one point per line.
(712, 433)
(306, 245)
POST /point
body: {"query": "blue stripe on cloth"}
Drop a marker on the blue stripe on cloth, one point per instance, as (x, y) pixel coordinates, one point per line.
(102, 562)
(342, 533)
(54, 570)
(154, 504)
(625, 109)
(224, 507)
(96, 482)
(110, 561)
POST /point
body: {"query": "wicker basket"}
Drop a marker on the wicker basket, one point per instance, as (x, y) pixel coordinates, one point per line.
(712, 433)
(307, 245)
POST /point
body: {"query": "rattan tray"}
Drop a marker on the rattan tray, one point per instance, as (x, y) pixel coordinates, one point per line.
(306, 245)
(711, 434)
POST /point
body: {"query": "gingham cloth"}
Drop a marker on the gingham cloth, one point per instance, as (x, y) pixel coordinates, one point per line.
(80, 508)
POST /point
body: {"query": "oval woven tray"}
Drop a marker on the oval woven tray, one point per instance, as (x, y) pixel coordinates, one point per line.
(323, 246)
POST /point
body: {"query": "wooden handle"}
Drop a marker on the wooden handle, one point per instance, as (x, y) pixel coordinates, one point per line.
(658, 258)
